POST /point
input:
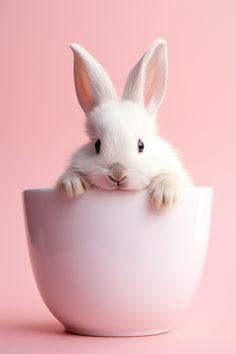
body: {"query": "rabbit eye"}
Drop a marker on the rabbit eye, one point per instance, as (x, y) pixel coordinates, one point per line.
(97, 146)
(140, 145)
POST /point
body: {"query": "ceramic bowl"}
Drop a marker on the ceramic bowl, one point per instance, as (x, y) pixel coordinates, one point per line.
(107, 264)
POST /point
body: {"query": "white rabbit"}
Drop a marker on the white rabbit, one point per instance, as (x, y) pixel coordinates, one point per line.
(124, 151)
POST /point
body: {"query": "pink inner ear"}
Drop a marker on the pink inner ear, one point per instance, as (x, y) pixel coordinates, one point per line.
(83, 86)
(153, 80)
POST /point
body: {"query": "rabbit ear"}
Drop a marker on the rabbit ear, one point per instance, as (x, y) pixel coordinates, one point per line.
(146, 83)
(92, 83)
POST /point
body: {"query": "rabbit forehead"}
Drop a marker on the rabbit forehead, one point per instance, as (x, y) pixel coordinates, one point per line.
(114, 117)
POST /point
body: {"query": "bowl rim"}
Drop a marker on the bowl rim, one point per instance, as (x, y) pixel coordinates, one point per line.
(54, 189)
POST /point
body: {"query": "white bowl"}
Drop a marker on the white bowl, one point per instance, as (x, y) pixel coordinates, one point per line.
(106, 264)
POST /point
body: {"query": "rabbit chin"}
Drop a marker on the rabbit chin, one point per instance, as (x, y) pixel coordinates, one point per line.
(130, 182)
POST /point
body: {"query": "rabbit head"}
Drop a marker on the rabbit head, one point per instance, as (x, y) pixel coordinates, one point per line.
(123, 143)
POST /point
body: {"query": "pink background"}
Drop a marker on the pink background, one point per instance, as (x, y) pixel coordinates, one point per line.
(41, 124)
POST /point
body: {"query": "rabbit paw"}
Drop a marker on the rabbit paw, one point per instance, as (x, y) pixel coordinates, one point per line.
(164, 190)
(71, 185)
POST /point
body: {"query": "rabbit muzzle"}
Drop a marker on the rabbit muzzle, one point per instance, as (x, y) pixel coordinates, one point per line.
(117, 173)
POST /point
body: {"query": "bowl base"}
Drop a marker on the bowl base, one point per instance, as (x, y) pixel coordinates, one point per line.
(94, 333)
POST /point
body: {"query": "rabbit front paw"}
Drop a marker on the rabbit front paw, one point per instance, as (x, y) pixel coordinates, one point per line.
(71, 185)
(164, 191)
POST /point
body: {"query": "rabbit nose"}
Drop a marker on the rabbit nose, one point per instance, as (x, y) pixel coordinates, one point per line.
(117, 172)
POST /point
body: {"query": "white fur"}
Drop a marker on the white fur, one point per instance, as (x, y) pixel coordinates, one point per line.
(119, 124)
